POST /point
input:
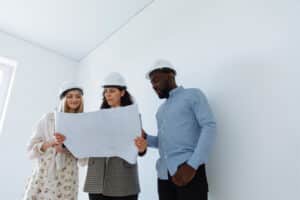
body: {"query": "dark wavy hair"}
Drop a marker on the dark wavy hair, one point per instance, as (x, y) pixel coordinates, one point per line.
(126, 100)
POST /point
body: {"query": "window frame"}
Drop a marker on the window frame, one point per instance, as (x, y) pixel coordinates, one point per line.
(6, 87)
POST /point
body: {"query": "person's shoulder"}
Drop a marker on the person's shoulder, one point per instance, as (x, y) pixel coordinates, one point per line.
(48, 116)
(195, 95)
(44, 119)
(194, 92)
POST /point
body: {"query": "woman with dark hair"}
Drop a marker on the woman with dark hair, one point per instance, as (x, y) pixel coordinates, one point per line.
(125, 100)
(113, 177)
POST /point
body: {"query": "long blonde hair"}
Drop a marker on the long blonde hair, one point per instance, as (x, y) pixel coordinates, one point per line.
(63, 107)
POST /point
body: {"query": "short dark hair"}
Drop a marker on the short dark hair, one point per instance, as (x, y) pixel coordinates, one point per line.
(126, 100)
(163, 70)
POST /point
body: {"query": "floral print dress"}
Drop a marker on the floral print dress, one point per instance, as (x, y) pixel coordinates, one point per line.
(55, 176)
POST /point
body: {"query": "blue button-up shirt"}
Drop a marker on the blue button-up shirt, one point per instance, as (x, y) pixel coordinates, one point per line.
(186, 131)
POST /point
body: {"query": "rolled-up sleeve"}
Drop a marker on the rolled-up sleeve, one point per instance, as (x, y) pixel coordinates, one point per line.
(152, 141)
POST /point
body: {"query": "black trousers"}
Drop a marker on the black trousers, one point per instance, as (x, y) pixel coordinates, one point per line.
(102, 197)
(197, 189)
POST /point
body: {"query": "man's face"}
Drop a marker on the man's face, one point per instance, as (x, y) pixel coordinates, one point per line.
(161, 84)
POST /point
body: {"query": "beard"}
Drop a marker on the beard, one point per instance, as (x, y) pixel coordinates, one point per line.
(162, 94)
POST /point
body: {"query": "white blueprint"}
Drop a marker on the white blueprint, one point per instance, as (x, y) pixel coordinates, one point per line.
(103, 133)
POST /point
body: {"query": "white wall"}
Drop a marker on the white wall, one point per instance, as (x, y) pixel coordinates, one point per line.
(242, 54)
(38, 76)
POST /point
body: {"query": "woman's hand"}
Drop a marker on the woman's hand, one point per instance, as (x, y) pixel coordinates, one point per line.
(141, 144)
(59, 138)
(59, 149)
(47, 145)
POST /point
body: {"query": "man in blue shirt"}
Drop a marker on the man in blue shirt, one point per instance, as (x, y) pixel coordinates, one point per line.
(186, 131)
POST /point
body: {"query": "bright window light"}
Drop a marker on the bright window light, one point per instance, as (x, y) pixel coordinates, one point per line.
(7, 72)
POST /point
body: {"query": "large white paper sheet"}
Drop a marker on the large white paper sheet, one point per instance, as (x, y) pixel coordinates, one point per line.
(103, 133)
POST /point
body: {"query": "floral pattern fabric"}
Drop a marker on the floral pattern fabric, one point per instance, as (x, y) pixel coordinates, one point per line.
(63, 184)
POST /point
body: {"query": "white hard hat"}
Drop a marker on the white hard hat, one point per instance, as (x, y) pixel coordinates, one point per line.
(114, 79)
(67, 86)
(162, 65)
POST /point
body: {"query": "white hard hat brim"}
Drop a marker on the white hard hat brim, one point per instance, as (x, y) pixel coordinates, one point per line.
(67, 86)
(159, 68)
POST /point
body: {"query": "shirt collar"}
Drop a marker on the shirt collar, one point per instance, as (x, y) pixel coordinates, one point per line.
(175, 91)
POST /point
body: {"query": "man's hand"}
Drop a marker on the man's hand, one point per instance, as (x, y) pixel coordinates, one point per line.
(144, 135)
(141, 144)
(184, 175)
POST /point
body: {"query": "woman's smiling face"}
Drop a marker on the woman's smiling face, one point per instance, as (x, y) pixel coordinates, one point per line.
(73, 99)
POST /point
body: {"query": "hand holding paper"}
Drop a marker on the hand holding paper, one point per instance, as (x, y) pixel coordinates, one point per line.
(103, 133)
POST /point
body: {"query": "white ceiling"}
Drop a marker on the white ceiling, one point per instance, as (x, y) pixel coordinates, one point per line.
(72, 28)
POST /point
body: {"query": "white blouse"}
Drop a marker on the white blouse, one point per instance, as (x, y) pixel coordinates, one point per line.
(56, 174)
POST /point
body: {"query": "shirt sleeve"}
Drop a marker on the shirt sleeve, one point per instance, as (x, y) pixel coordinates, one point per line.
(207, 123)
(37, 140)
(152, 141)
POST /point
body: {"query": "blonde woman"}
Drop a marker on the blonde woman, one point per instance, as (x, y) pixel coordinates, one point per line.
(56, 173)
